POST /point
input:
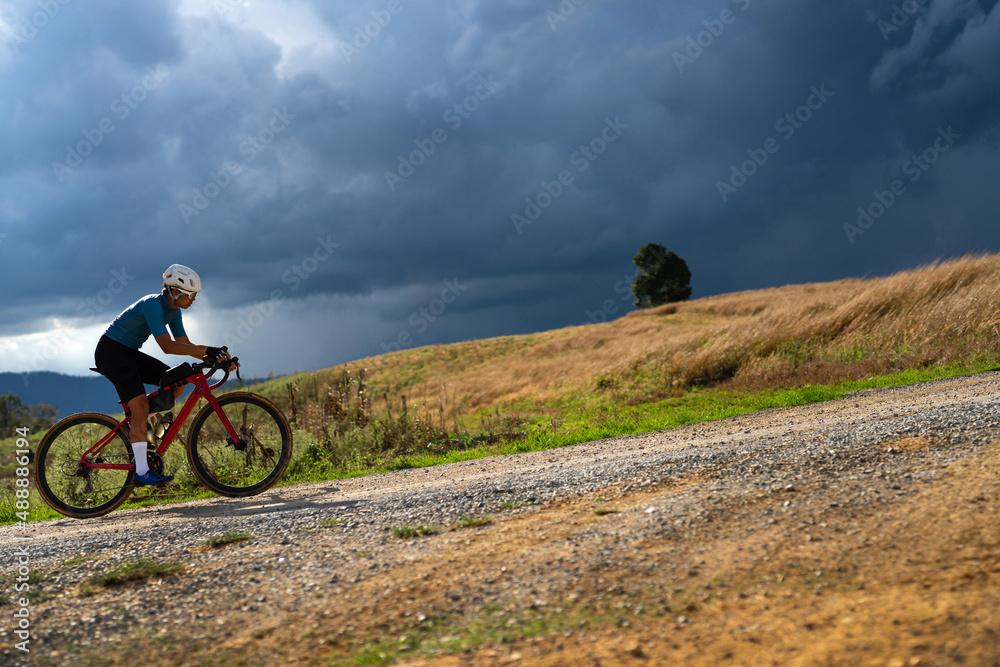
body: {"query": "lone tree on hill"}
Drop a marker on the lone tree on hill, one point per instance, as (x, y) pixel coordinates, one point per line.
(665, 277)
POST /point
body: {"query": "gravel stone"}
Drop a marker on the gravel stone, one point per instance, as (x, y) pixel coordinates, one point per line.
(873, 446)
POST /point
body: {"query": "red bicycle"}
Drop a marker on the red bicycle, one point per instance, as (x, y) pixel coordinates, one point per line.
(239, 445)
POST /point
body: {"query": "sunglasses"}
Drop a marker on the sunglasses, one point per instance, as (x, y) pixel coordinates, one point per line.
(190, 295)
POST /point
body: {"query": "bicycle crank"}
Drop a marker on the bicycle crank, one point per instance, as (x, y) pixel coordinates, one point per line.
(155, 462)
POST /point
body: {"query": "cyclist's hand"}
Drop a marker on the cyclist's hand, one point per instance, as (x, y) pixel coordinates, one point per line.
(217, 355)
(211, 354)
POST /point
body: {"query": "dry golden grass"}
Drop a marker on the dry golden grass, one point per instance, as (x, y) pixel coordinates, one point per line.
(787, 336)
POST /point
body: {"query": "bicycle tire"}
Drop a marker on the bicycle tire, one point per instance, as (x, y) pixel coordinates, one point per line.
(57, 461)
(253, 465)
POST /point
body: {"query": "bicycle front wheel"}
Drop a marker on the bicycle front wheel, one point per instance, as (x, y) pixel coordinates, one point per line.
(249, 465)
(76, 491)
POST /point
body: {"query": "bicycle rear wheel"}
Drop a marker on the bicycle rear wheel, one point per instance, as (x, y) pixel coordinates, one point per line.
(252, 464)
(88, 492)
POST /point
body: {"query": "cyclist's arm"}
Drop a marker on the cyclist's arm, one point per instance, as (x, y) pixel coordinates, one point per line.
(181, 346)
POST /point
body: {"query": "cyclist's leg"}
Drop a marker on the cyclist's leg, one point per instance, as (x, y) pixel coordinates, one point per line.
(140, 413)
(118, 363)
(150, 370)
(128, 370)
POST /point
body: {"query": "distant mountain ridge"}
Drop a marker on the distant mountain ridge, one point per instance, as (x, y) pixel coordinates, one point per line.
(68, 393)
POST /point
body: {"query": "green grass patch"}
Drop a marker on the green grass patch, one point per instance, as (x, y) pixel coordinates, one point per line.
(589, 417)
(437, 636)
(475, 521)
(135, 572)
(411, 532)
(38, 510)
(332, 522)
(432, 637)
(230, 537)
(77, 560)
(515, 504)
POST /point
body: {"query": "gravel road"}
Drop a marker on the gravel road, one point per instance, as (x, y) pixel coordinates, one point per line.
(315, 544)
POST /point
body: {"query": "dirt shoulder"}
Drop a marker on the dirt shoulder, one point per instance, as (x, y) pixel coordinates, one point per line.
(858, 532)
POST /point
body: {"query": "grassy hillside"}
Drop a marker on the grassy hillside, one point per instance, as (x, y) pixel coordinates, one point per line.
(934, 316)
(674, 365)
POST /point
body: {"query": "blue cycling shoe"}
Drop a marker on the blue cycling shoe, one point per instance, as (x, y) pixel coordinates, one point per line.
(151, 478)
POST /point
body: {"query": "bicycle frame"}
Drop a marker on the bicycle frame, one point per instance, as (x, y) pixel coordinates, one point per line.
(201, 389)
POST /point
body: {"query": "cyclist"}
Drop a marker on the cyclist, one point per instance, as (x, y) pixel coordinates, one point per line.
(118, 357)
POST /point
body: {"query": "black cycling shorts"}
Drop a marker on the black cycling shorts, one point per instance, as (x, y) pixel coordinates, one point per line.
(127, 369)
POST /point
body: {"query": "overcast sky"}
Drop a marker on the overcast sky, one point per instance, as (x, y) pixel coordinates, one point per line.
(349, 178)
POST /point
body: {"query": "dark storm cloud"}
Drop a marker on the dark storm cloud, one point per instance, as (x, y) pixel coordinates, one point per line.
(361, 154)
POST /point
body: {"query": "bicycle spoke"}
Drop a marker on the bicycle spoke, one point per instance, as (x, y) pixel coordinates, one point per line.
(70, 489)
(249, 464)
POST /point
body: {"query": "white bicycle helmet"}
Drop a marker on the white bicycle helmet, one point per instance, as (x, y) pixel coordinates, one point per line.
(182, 277)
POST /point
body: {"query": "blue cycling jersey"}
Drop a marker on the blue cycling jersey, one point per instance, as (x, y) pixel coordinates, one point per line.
(150, 315)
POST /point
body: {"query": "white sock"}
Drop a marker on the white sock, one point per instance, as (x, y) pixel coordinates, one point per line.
(141, 464)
